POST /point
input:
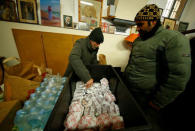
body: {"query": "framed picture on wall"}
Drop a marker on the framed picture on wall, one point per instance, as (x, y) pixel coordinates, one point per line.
(68, 21)
(169, 23)
(27, 11)
(50, 12)
(8, 11)
(90, 10)
(183, 26)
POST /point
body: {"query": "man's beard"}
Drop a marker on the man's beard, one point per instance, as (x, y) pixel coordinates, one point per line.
(143, 34)
(147, 34)
(95, 48)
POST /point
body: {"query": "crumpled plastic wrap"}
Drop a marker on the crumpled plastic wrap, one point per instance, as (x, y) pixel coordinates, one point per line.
(104, 83)
(117, 122)
(103, 121)
(76, 107)
(109, 97)
(93, 108)
(87, 122)
(72, 120)
(114, 110)
(90, 110)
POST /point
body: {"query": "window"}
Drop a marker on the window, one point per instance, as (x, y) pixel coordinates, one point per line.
(174, 8)
(168, 8)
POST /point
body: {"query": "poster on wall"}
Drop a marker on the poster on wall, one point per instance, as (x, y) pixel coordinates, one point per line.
(50, 12)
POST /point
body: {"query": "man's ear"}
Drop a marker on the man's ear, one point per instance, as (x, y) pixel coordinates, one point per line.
(154, 22)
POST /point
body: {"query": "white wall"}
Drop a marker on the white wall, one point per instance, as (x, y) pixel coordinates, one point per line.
(188, 14)
(159, 3)
(67, 8)
(113, 47)
(127, 9)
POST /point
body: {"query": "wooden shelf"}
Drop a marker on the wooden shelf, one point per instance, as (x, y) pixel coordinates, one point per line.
(108, 17)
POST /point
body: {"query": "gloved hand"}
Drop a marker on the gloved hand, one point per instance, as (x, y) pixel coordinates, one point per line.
(89, 83)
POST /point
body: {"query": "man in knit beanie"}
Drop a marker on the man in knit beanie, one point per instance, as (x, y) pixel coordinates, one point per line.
(148, 20)
(97, 36)
(84, 53)
(160, 64)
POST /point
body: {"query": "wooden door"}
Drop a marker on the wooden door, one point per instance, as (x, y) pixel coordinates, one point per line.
(29, 45)
(57, 49)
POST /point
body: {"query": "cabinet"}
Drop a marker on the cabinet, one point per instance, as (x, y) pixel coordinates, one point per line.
(50, 50)
(29, 46)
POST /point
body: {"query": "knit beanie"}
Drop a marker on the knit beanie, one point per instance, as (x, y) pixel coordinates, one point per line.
(97, 35)
(148, 12)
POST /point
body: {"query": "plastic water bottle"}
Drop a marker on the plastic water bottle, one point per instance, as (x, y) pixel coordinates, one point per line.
(21, 120)
(39, 90)
(34, 96)
(63, 80)
(34, 119)
(28, 105)
(45, 116)
(36, 111)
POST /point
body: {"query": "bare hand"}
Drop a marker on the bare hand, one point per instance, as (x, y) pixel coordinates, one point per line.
(154, 106)
(89, 83)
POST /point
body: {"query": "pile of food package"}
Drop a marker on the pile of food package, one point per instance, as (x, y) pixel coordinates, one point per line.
(93, 108)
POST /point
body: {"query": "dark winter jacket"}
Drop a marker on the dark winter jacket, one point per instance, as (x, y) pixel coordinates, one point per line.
(159, 67)
(81, 55)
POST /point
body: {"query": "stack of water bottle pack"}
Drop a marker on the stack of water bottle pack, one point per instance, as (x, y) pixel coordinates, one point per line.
(36, 110)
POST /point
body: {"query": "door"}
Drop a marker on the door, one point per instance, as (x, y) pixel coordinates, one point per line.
(29, 46)
(57, 49)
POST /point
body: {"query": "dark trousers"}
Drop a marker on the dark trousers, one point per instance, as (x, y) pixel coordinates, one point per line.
(156, 118)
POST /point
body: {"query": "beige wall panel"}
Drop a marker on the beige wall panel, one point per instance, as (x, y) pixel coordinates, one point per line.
(29, 45)
(57, 49)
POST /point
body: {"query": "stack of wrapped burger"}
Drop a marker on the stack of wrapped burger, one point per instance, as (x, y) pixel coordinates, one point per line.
(93, 108)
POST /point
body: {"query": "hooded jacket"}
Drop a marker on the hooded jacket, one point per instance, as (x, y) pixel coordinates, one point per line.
(81, 55)
(159, 67)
